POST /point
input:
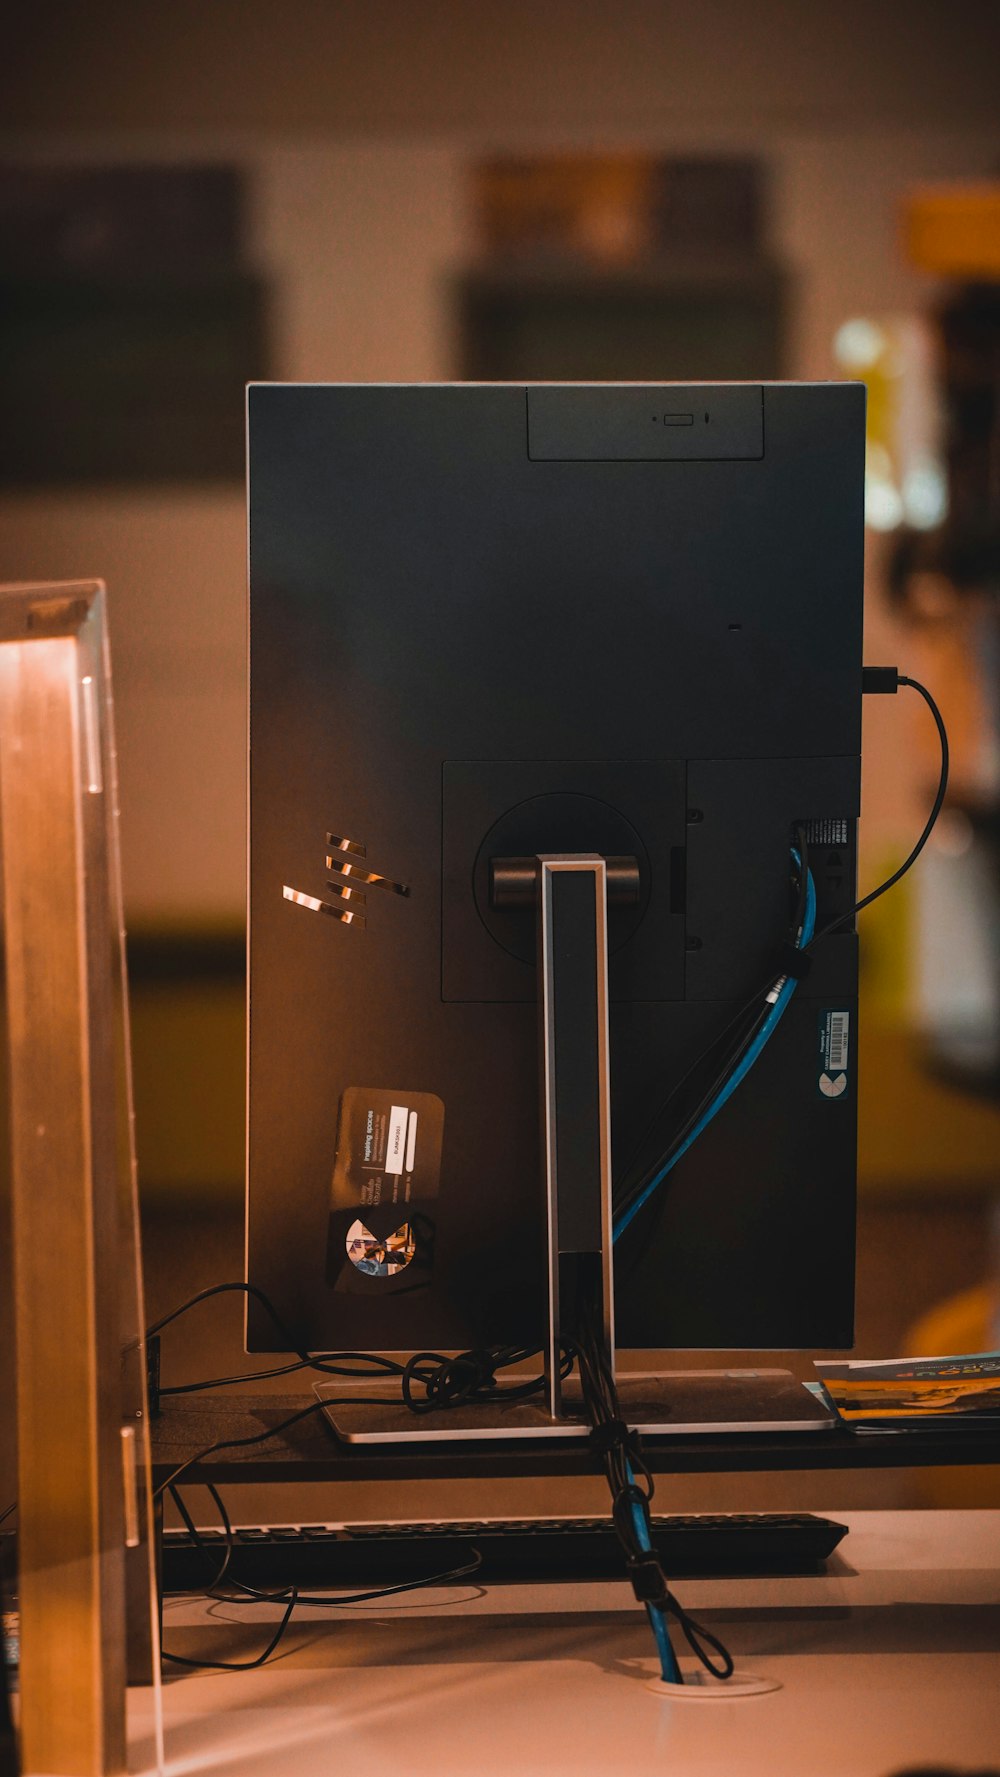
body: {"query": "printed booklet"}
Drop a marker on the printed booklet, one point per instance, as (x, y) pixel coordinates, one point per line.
(909, 1392)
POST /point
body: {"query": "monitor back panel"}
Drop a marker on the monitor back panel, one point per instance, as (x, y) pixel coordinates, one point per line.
(492, 621)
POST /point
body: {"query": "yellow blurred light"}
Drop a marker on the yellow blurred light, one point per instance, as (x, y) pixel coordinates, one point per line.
(954, 230)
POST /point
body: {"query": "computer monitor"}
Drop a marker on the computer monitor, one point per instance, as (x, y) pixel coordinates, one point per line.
(495, 621)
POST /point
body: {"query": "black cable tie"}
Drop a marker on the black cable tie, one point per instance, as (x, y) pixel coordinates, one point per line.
(794, 962)
(609, 1435)
(646, 1577)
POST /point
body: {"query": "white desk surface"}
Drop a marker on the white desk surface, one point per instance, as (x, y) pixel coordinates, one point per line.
(890, 1660)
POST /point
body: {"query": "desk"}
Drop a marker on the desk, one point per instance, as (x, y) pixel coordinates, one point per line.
(310, 1452)
(891, 1659)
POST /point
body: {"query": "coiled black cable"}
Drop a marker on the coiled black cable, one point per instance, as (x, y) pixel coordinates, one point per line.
(239, 1592)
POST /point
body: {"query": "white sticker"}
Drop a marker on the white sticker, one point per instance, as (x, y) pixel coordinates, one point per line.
(832, 1087)
(834, 1053)
(411, 1141)
(839, 1025)
(395, 1147)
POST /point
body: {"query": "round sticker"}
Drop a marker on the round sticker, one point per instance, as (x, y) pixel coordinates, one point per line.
(832, 1086)
(380, 1258)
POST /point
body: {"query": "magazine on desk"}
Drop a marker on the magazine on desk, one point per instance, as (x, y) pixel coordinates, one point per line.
(907, 1393)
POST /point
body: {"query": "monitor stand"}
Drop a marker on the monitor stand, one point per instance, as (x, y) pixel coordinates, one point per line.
(571, 893)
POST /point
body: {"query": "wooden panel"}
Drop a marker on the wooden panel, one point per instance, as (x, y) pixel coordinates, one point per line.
(77, 1291)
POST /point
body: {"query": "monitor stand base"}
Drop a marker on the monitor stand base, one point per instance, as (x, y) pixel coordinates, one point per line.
(678, 1403)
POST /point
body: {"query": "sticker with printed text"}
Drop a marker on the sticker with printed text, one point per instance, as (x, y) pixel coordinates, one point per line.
(386, 1175)
(834, 1053)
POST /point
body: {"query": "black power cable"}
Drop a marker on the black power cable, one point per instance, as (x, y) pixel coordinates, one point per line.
(239, 1665)
(882, 681)
(289, 1596)
(261, 1437)
(447, 1380)
(879, 681)
(471, 1377)
(332, 1363)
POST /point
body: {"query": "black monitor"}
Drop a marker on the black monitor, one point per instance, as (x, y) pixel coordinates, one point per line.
(492, 622)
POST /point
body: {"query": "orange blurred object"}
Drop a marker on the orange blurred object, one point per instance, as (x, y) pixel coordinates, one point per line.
(599, 206)
(954, 230)
(961, 1324)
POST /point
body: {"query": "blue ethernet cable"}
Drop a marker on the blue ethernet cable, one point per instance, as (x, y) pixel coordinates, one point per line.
(742, 1067)
(670, 1671)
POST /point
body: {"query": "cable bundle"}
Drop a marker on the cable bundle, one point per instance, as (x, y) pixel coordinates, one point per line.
(469, 1378)
(631, 1485)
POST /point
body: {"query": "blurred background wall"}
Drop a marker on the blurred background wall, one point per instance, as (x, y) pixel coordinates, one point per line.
(365, 152)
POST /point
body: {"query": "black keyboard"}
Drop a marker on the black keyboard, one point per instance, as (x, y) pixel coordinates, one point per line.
(317, 1556)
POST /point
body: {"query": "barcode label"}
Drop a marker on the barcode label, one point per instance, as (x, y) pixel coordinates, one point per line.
(826, 832)
(837, 1050)
(834, 1049)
